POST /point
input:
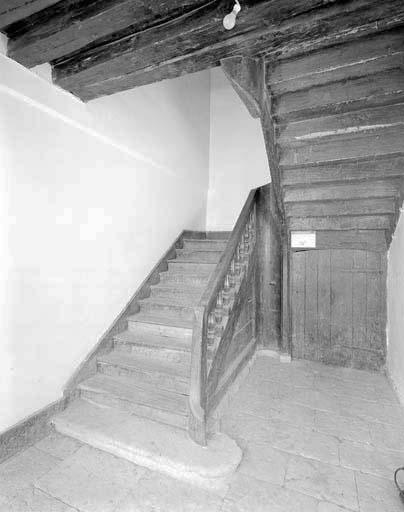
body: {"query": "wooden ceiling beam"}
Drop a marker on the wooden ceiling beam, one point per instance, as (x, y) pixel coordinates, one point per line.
(12, 11)
(201, 43)
(372, 206)
(340, 223)
(70, 26)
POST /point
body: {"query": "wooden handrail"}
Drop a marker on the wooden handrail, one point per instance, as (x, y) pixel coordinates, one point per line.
(198, 378)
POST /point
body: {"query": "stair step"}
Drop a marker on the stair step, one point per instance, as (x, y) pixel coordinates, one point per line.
(192, 267)
(172, 297)
(146, 443)
(181, 291)
(172, 327)
(184, 279)
(121, 393)
(198, 256)
(145, 372)
(126, 339)
(161, 308)
(205, 245)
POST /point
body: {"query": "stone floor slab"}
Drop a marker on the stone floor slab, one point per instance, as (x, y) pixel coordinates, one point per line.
(91, 480)
(247, 494)
(263, 462)
(156, 492)
(323, 481)
(21, 471)
(377, 494)
(30, 500)
(59, 446)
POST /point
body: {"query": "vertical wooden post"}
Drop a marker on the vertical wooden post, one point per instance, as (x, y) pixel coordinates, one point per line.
(286, 319)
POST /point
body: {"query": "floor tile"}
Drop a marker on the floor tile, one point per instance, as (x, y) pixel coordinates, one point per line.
(159, 493)
(21, 471)
(342, 427)
(59, 446)
(305, 442)
(91, 480)
(247, 494)
(326, 506)
(323, 481)
(264, 462)
(368, 460)
(30, 500)
(377, 494)
(387, 437)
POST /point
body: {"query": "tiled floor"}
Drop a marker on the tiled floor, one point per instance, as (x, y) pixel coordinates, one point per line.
(315, 439)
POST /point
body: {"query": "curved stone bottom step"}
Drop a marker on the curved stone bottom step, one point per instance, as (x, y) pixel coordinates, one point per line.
(150, 444)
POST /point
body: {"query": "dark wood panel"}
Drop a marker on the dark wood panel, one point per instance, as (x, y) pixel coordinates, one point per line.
(345, 147)
(343, 191)
(368, 240)
(339, 97)
(262, 26)
(336, 208)
(14, 10)
(359, 58)
(360, 170)
(338, 313)
(340, 223)
(71, 25)
(348, 123)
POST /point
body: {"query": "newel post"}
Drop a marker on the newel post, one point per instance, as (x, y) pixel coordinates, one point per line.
(197, 415)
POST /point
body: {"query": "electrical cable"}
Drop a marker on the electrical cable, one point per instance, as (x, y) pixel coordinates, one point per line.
(401, 491)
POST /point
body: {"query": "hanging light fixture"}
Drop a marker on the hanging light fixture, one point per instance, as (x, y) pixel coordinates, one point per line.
(229, 21)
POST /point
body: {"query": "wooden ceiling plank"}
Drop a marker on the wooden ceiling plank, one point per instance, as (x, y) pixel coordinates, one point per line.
(354, 59)
(91, 76)
(71, 25)
(340, 223)
(349, 146)
(359, 121)
(335, 191)
(388, 167)
(12, 11)
(373, 206)
(340, 97)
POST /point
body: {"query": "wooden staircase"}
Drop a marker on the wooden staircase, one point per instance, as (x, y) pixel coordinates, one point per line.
(147, 373)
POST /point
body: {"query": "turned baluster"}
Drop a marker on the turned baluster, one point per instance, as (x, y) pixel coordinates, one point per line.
(226, 292)
(232, 274)
(237, 261)
(211, 328)
(219, 309)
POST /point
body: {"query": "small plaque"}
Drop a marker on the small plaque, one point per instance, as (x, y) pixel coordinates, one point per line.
(303, 239)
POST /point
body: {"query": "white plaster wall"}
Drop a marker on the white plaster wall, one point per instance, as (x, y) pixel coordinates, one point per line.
(90, 198)
(395, 310)
(237, 160)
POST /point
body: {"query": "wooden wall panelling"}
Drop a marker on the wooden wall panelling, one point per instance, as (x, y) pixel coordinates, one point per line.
(268, 270)
(339, 307)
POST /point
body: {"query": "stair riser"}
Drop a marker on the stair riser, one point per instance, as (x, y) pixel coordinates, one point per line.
(158, 354)
(180, 312)
(200, 245)
(159, 380)
(199, 256)
(177, 295)
(142, 328)
(185, 279)
(145, 411)
(179, 267)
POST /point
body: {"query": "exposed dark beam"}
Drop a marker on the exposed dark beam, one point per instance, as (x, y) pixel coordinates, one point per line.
(363, 170)
(71, 25)
(340, 223)
(353, 59)
(342, 191)
(202, 43)
(369, 240)
(12, 11)
(246, 76)
(373, 206)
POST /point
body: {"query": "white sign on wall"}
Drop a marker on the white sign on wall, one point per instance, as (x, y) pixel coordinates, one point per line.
(303, 239)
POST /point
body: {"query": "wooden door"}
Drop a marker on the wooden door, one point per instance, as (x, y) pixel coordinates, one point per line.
(338, 307)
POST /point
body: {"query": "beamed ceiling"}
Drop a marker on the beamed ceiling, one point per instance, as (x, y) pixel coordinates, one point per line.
(99, 47)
